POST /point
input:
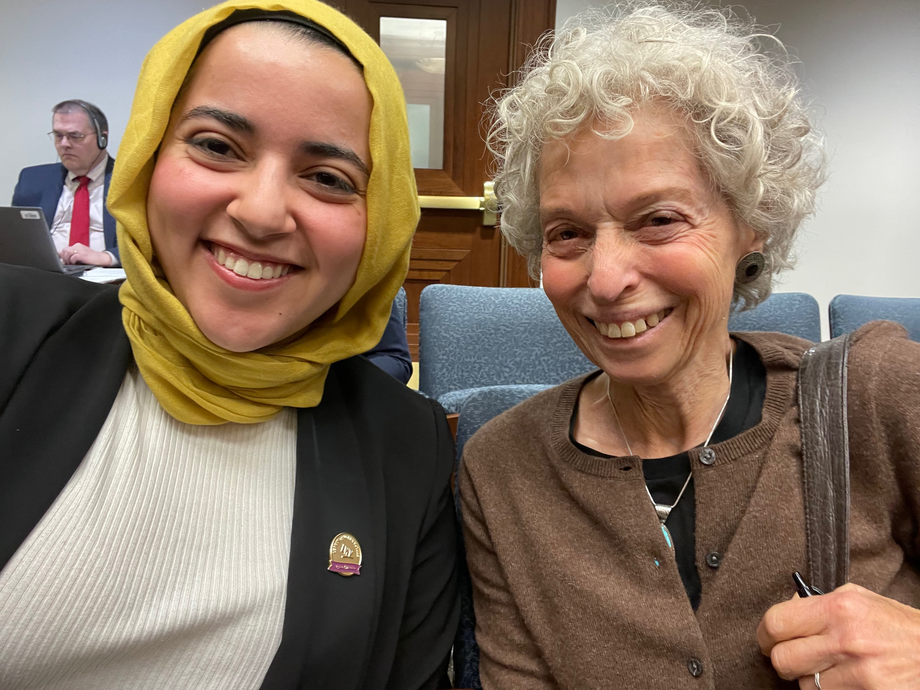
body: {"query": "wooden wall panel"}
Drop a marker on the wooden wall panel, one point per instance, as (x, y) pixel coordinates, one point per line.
(487, 41)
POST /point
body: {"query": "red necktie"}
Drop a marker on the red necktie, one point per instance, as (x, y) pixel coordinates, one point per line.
(79, 219)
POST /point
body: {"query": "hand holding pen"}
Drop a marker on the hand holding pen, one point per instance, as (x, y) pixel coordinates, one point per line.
(805, 591)
(848, 638)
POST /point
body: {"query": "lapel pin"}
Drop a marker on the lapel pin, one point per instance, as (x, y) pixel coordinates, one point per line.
(345, 555)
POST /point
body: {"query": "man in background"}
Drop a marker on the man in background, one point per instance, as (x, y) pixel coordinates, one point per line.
(72, 193)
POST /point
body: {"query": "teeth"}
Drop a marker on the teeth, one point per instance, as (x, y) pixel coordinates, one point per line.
(255, 270)
(630, 329)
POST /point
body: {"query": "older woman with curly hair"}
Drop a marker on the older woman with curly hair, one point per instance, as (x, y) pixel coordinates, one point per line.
(638, 526)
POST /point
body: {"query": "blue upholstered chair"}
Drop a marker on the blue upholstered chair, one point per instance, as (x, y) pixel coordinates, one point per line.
(471, 337)
(475, 336)
(399, 305)
(849, 312)
(794, 313)
(479, 406)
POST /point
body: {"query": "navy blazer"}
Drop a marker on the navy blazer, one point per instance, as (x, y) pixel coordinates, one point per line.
(373, 459)
(392, 352)
(41, 185)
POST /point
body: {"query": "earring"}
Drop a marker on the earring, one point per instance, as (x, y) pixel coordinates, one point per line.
(749, 267)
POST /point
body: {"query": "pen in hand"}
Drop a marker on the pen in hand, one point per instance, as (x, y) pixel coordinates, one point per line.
(803, 589)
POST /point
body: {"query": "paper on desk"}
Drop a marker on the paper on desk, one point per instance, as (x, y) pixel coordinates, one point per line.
(104, 275)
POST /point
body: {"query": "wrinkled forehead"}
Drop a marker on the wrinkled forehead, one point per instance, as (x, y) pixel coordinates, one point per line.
(73, 119)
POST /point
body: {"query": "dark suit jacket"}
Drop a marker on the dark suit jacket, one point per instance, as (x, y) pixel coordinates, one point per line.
(373, 459)
(392, 352)
(41, 185)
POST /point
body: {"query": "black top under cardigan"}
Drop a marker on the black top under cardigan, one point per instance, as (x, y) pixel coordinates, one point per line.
(373, 459)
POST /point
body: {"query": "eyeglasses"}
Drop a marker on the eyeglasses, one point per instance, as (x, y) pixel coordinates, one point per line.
(73, 137)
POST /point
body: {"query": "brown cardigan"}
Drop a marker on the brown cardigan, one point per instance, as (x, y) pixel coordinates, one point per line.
(574, 586)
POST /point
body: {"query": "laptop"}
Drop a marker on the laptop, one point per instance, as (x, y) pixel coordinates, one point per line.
(26, 241)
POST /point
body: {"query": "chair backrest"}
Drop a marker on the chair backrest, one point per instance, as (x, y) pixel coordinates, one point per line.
(793, 313)
(849, 312)
(480, 405)
(399, 306)
(474, 336)
(471, 337)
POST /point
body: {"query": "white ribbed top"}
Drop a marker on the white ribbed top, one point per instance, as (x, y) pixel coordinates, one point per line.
(162, 564)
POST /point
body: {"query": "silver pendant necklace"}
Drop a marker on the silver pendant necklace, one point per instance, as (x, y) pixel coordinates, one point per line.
(663, 510)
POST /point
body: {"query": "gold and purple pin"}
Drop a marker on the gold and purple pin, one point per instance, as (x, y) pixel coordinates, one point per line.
(345, 555)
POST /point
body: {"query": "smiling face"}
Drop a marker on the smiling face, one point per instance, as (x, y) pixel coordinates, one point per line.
(79, 157)
(256, 207)
(639, 250)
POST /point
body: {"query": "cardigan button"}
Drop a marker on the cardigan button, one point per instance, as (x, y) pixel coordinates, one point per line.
(707, 456)
(713, 559)
(695, 666)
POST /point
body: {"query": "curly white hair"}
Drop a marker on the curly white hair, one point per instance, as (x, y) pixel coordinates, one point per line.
(735, 85)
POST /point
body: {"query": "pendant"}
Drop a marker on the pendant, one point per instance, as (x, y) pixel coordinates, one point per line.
(667, 536)
(663, 510)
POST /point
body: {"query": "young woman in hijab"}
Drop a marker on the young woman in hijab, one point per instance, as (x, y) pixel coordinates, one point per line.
(201, 486)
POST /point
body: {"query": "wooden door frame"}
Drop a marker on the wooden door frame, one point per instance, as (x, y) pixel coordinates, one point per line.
(528, 21)
(451, 246)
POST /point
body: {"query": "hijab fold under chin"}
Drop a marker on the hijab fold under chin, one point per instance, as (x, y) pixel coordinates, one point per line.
(195, 380)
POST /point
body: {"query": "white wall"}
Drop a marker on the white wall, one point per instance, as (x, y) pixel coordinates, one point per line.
(51, 50)
(861, 67)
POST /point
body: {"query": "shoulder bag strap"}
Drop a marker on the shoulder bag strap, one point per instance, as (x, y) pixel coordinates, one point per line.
(822, 393)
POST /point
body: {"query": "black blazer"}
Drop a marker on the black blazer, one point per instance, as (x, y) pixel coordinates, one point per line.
(373, 459)
(41, 185)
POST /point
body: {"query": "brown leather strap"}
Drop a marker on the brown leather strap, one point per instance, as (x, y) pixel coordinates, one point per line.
(822, 391)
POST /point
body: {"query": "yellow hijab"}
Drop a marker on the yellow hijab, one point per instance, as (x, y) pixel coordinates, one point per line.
(193, 379)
